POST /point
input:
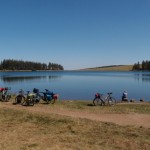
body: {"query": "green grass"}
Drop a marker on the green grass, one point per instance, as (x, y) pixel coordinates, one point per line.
(118, 108)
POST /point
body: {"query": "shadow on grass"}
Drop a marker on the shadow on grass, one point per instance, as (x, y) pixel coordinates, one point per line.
(45, 103)
(90, 105)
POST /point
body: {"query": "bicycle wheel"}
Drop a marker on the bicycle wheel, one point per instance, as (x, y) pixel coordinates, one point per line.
(8, 97)
(97, 102)
(36, 100)
(47, 101)
(111, 101)
(5, 98)
(31, 102)
(23, 100)
(28, 102)
(53, 101)
(55, 98)
(18, 100)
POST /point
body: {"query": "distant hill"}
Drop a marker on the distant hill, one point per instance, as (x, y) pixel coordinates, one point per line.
(112, 68)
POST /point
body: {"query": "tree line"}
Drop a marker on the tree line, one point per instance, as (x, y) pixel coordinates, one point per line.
(145, 65)
(10, 64)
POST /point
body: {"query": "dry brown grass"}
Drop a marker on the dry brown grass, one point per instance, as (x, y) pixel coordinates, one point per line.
(120, 108)
(22, 130)
(113, 68)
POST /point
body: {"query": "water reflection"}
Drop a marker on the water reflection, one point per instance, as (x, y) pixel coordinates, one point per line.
(8, 79)
(144, 77)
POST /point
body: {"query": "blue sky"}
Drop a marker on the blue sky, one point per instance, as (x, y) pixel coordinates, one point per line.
(75, 33)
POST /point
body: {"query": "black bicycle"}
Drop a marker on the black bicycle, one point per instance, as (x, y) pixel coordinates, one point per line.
(101, 99)
(20, 98)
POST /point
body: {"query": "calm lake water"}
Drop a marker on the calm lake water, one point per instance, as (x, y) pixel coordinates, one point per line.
(80, 85)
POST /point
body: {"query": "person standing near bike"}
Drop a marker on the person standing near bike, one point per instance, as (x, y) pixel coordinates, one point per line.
(97, 95)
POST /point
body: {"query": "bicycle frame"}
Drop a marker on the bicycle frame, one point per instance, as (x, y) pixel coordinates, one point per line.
(4, 94)
(104, 99)
(49, 96)
(29, 100)
(109, 100)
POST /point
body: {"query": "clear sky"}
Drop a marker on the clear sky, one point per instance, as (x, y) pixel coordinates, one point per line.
(75, 33)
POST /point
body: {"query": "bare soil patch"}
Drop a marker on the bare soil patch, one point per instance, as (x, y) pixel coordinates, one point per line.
(134, 119)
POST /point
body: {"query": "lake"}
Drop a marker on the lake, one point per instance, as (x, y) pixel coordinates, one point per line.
(80, 85)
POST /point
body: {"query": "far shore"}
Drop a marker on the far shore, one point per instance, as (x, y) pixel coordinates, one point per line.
(103, 68)
(26, 70)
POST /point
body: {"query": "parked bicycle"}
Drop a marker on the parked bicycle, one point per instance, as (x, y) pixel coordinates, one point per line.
(29, 100)
(20, 98)
(4, 94)
(37, 96)
(101, 99)
(49, 96)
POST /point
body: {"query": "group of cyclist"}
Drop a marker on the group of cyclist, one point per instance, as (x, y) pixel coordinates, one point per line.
(50, 97)
(29, 98)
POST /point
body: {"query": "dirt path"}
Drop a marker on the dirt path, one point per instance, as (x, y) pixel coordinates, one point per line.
(121, 119)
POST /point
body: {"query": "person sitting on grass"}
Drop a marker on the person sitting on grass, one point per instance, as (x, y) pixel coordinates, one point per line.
(124, 96)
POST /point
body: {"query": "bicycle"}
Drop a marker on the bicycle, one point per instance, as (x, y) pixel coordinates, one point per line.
(29, 100)
(37, 96)
(101, 99)
(49, 96)
(20, 98)
(4, 94)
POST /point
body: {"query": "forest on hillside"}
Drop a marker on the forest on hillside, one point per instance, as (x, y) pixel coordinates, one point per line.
(145, 65)
(10, 64)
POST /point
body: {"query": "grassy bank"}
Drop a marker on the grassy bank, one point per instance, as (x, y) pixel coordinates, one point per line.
(135, 107)
(23, 130)
(112, 68)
